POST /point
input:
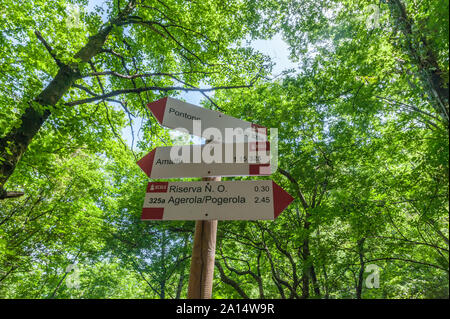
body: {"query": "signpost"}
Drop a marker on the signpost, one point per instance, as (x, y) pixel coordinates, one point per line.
(238, 159)
(211, 199)
(176, 114)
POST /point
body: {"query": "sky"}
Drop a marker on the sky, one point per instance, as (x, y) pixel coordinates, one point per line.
(275, 48)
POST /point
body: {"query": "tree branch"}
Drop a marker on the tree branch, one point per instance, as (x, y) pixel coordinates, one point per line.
(410, 261)
(293, 181)
(227, 280)
(154, 88)
(49, 48)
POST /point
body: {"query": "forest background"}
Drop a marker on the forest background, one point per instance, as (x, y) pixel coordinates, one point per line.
(357, 89)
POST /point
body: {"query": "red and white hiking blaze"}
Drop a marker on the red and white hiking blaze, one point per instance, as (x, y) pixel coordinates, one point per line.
(235, 148)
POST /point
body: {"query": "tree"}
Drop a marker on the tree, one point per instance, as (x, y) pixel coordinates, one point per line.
(144, 48)
(363, 148)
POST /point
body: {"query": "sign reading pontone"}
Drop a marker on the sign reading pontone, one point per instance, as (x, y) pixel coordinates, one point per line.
(176, 114)
(213, 159)
(206, 200)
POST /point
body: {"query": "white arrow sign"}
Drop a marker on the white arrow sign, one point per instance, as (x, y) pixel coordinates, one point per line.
(176, 114)
(239, 159)
(206, 200)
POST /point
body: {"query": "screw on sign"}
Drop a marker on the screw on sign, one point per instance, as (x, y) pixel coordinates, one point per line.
(211, 199)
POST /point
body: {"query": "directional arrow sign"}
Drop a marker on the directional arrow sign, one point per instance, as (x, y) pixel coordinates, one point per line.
(213, 159)
(206, 200)
(176, 114)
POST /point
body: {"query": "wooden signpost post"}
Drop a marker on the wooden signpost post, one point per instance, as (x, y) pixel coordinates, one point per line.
(211, 199)
(203, 256)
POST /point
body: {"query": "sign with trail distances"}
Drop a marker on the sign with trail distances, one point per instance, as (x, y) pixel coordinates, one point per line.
(213, 159)
(209, 200)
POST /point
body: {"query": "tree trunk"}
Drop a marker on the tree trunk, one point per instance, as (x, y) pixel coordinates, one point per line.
(314, 282)
(361, 268)
(429, 70)
(182, 274)
(307, 267)
(259, 279)
(180, 284)
(15, 143)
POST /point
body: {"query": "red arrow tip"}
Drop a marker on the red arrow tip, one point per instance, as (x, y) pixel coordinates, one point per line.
(281, 199)
(146, 163)
(158, 108)
(152, 213)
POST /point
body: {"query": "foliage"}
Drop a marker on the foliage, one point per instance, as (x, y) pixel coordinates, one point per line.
(363, 146)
